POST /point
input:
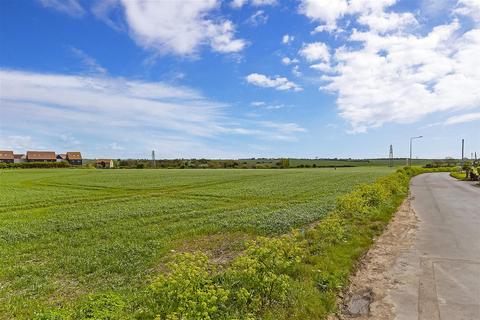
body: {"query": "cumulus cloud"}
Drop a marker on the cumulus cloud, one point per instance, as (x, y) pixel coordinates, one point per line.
(180, 27)
(391, 73)
(371, 13)
(175, 27)
(315, 51)
(469, 8)
(278, 83)
(405, 77)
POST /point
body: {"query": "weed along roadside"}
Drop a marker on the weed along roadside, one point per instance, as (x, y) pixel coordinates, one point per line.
(295, 276)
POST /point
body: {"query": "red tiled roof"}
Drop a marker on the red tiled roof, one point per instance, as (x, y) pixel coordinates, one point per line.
(6, 155)
(74, 156)
(41, 155)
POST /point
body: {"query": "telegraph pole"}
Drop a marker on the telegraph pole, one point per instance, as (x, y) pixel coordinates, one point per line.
(411, 139)
(463, 148)
(390, 157)
(153, 159)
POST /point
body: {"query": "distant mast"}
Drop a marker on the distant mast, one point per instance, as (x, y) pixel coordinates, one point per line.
(153, 159)
(390, 157)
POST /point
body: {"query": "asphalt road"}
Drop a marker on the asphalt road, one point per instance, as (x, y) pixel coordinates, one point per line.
(439, 276)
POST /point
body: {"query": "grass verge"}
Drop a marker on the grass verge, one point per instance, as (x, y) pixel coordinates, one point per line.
(459, 175)
(296, 276)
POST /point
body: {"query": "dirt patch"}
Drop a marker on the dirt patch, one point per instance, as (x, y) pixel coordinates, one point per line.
(367, 295)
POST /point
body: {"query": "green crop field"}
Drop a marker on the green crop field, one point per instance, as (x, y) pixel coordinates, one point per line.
(67, 233)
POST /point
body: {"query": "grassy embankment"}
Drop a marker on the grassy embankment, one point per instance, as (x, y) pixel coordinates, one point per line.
(459, 175)
(295, 276)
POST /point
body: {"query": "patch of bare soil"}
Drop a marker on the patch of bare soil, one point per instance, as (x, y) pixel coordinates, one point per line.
(366, 297)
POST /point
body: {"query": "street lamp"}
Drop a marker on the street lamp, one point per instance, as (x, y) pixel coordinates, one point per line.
(411, 139)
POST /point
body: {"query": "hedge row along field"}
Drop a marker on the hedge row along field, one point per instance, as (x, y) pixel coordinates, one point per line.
(86, 244)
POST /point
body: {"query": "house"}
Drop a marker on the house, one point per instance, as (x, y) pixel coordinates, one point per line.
(17, 158)
(6, 156)
(74, 158)
(104, 163)
(41, 156)
(61, 157)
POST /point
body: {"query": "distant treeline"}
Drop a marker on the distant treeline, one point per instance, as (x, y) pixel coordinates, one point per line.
(253, 163)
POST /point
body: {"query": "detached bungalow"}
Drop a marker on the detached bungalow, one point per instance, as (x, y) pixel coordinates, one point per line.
(74, 158)
(61, 157)
(6, 156)
(104, 163)
(41, 156)
(19, 158)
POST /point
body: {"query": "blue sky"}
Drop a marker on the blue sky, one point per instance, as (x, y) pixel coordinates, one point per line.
(241, 78)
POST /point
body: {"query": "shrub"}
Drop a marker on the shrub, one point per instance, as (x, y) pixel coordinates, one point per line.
(259, 277)
(187, 292)
(330, 231)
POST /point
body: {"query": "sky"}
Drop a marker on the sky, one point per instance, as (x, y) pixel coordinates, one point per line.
(240, 78)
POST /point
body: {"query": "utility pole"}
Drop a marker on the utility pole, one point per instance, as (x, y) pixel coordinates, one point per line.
(411, 139)
(390, 157)
(463, 148)
(153, 159)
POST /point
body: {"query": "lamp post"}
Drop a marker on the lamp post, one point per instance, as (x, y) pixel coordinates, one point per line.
(411, 139)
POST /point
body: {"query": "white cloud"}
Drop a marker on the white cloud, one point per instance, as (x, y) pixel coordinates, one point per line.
(469, 8)
(92, 65)
(176, 27)
(279, 83)
(240, 3)
(285, 128)
(287, 39)
(384, 22)
(102, 115)
(371, 12)
(70, 7)
(296, 71)
(258, 18)
(257, 103)
(324, 67)
(468, 117)
(315, 51)
(287, 61)
(404, 77)
(325, 11)
(101, 102)
(18, 143)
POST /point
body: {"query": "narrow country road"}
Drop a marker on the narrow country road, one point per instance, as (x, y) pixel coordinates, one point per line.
(438, 276)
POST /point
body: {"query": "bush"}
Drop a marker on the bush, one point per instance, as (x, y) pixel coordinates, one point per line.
(330, 231)
(187, 292)
(30, 165)
(259, 277)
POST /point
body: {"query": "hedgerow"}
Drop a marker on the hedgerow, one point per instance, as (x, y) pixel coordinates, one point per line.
(35, 165)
